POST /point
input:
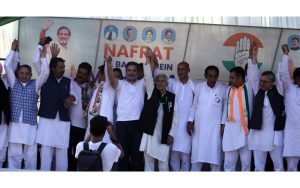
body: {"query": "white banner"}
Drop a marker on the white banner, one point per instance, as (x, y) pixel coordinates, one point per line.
(77, 39)
(200, 45)
(292, 38)
(128, 42)
(228, 46)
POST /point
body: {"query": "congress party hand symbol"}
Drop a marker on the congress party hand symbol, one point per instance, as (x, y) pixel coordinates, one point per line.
(242, 49)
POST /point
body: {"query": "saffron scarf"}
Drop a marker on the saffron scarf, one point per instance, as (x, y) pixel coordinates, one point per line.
(241, 106)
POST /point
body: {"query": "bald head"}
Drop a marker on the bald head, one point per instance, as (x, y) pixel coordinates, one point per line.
(183, 70)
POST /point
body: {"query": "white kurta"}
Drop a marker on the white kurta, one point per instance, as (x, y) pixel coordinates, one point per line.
(19, 132)
(265, 139)
(53, 132)
(107, 105)
(106, 109)
(234, 136)
(152, 144)
(184, 98)
(292, 106)
(207, 112)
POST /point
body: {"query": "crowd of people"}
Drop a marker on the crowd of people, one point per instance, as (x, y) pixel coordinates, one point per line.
(147, 117)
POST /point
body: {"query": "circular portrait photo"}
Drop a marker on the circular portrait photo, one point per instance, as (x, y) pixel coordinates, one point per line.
(168, 36)
(149, 34)
(110, 32)
(129, 33)
(293, 42)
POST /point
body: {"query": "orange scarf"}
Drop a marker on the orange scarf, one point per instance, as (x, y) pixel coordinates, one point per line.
(241, 107)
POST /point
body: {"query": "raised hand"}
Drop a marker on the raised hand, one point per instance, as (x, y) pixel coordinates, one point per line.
(108, 60)
(73, 71)
(242, 49)
(47, 25)
(253, 52)
(54, 50)
(148, 54)
(285, 49)
(15, 45)
(43, 52)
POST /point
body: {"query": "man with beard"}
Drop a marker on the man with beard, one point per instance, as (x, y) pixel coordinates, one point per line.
(57, 95)
(130, 95)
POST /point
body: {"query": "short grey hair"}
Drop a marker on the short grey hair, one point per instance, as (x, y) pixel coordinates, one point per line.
(163, 76)
(270, 74)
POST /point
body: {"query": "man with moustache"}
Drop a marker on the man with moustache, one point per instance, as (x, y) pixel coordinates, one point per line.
(130, 95)
(57, 95)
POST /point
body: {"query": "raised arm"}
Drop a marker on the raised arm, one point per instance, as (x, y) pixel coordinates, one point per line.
(45, 28)
(153, 61)
(283, 67)
(37, 59)
(253, 72)
(114, 82)
(8, 64)
(43, 76)
(148, 74)
(278, 81)
(16, 58)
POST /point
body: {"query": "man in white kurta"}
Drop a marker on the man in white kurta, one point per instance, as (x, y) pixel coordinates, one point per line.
(54, 133)
(291, 149)
(184, 89)
(151, 144)
(102, 102)
(266, 139)
(235, 138)
(206, 113)
(22, 136)
(3, 123)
